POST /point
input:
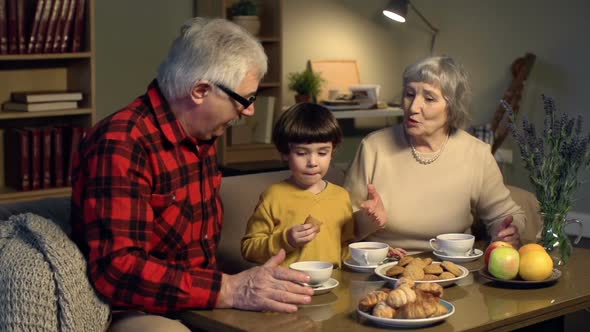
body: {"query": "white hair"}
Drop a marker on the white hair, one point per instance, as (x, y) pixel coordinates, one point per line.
(215, 50)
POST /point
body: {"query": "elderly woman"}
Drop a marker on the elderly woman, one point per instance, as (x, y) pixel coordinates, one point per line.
(427, 176)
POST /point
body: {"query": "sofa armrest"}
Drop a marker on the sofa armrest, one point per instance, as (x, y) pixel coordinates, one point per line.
(53, 208)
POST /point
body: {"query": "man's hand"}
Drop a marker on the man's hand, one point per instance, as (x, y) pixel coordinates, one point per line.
(505, 231)
(265, 288)
(374, 207)
(299, 235)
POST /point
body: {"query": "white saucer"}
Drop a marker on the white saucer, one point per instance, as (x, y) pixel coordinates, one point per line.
(459, 259)
(326, 287)
(351, 264)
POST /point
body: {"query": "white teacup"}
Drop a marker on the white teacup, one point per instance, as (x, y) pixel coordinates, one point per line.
(319, 272)
(453, 244)
(368, 253)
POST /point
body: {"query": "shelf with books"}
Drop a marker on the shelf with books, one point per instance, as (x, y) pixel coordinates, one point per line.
(69, 70)
(8, 194)
(5, 115)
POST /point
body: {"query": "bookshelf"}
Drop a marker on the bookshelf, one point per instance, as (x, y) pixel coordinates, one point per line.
(48, 71)
(230, 150)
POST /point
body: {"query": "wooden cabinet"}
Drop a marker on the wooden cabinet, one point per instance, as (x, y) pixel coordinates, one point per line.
(51, 71)
(234, 150)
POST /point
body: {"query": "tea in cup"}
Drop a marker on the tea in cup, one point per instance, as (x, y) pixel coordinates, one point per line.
(368, 253)
(453, 244)
(319, 272)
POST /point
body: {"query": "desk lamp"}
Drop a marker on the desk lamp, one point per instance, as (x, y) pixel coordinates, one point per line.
(397, 10)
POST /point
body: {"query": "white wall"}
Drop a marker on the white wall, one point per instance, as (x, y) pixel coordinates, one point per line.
(486, 36)
(132, 38)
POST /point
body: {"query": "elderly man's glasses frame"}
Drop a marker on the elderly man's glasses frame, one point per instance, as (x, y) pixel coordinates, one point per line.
(246, 102)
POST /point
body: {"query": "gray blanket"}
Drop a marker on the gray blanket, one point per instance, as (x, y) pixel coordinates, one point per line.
(43, 280)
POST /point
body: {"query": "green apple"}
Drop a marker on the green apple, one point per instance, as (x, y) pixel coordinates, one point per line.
(491, 247)
(504, 263)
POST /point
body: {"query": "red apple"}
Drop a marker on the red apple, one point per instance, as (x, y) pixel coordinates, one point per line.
(492, 246)
(504, 263)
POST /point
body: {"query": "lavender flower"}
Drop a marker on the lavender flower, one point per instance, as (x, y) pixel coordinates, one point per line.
(555, 159)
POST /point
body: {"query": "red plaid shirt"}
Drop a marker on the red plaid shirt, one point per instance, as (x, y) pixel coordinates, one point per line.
(146, 210)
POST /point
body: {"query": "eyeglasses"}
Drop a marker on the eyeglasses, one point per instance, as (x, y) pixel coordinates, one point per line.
(243, 101)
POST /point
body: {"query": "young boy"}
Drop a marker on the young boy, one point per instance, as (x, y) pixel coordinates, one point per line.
(306, 215)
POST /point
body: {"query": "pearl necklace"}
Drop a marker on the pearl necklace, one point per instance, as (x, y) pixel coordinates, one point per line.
(426, 161)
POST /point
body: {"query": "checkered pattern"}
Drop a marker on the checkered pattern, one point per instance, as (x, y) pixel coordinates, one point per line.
(146, 210)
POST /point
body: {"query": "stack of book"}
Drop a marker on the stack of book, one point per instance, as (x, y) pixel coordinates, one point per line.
(41, 26)
(35, 101)
(40, 158)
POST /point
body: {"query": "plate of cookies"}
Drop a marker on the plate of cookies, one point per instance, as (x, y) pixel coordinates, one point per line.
(409, 304)
(423, 270)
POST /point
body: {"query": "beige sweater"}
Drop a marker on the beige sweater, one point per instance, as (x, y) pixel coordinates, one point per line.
(423, 201)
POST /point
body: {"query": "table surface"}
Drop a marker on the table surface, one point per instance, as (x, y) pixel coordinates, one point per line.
(480, 304)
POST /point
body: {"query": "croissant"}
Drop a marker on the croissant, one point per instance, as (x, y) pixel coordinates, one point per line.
(381, 309)
(400, 296)
(404, 280)
(412, 311)
(370, 300)
(432, 288)
(440, 310)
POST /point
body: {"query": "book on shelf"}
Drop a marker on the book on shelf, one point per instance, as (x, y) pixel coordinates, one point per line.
(79, 23)
(262, 119)
(35, 26)
(38, 107)
(72, 138)
(3, 28)
(12, 32)
(67, 28)
(45, 157)
(57, 157)
(45, 96)
(59, 26)
(17, 151)
(51, 24)
(42, 29)
(35, 135)
(21, 25)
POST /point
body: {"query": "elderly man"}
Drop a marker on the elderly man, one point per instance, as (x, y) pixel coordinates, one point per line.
(145, 206)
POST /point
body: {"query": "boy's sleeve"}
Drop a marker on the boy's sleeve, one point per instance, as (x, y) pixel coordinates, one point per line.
(261, 241)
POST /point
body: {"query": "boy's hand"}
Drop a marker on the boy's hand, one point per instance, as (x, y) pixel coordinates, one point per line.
(374, 207)
(299, 235)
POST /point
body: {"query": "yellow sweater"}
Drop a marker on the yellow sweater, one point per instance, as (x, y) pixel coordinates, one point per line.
(284, 205)
(423, 201)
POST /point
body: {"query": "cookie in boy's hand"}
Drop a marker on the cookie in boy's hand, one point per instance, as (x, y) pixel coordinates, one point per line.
(313, 221)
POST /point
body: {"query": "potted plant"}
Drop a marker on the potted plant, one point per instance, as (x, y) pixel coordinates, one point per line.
(306, 84)
(245, 14)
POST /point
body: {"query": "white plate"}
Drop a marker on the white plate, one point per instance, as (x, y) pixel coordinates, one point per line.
(350, 263)
(459, 259)
(380, 271)
(326, 287)
(400, 322)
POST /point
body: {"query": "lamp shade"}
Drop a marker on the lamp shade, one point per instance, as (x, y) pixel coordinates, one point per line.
(397, 10)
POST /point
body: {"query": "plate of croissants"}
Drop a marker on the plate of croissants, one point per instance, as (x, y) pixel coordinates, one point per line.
(409, 304)
(423, 270)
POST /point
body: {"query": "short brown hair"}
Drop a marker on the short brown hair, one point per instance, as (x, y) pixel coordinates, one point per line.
(306, 123)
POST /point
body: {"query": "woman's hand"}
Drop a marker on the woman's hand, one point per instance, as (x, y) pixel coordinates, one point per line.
(506, 232)
(374, 207)
(299, 235)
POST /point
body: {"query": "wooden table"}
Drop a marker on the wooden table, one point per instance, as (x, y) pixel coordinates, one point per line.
(481, 305)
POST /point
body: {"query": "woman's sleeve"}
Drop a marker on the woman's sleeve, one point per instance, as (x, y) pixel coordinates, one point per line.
(358, 176)
(495, 203)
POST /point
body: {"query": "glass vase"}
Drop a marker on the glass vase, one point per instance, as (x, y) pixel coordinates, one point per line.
(554, 238)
